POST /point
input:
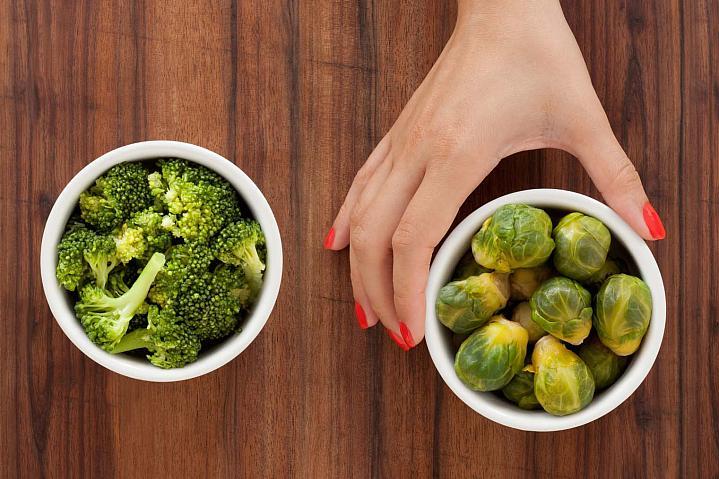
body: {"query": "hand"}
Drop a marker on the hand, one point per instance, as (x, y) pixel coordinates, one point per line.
(511, 78)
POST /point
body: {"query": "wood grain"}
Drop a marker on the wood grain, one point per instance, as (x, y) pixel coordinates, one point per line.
(297, 93)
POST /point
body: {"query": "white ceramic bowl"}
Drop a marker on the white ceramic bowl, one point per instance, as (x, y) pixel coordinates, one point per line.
(61, 303)
(439, 338)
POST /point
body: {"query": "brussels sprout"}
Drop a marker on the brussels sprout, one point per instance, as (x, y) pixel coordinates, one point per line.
(523, 282)
(522, 314)
(605, 366)
(520, 390)
(467, 267)
(563, 384)
(492, 355)
(465, 305)
(562, 307)
(515, 236)
(623, 311)
(582, 245)
(609, 268)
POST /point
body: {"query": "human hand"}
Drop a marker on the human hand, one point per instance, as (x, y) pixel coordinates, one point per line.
(511, 78)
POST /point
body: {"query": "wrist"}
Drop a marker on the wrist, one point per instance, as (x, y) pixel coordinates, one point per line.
(497, 15)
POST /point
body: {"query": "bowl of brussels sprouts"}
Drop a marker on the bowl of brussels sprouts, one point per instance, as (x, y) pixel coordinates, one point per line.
(545, 310)
(161, 260)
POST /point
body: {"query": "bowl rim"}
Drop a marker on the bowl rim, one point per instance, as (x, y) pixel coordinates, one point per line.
(496, 409)
(138, 368)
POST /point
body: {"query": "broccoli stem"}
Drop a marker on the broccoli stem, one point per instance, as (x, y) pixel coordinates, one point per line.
(136, 339)
(129, 302)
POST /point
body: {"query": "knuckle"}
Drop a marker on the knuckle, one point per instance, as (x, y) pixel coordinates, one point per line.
(362, 176)
(404, 237)
(624, 178)
(360, 240)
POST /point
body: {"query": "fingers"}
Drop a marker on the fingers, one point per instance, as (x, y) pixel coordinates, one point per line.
(366, 317)
(425, 222)
(616, 178)
(372, 227)
(339, 235)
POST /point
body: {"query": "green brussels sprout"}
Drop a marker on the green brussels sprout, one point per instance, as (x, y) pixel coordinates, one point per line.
(523, 282)
(562, 307)
(515, 236)
(520, 390)
(522, 314)
(467, 267)
(605, 366)
(582, 246)
(465, 305)
(609, 268)
(492, 355)
(623, 311)
(563, 384)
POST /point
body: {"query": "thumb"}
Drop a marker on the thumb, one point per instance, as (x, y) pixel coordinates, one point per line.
(617, 180)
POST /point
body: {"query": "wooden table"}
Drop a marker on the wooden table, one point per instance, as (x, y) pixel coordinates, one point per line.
(297, 93)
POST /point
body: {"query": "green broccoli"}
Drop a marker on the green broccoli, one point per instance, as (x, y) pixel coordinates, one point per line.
(240, 244)
(183, 261)
(100, 255)
(200, 203)
(83, 254)
(115, 196)
(106, 318)
(71, 266)
(209, 304)
(141, 236)
(171, 342)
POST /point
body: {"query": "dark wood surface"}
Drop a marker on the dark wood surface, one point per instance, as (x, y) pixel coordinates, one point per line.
(297, 93)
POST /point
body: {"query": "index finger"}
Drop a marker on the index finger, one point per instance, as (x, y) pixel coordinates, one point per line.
(425, 222)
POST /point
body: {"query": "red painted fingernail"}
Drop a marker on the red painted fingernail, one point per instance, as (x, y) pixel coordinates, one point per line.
(654, 223)
(361, 317)
(329, 239)
(397, 340)
(406, 335)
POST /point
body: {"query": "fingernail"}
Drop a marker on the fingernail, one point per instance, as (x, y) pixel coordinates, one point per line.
(361, 317)
(397, 340)
(329, 239)
(406, 335)
(654, 223)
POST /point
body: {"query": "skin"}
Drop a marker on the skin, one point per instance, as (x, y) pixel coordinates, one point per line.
(511, 78)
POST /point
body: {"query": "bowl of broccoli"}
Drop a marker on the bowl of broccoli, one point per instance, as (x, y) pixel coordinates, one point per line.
(161, 260)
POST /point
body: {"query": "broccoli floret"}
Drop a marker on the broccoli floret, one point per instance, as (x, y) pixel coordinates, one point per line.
(106, 318)
(115, 196)
(100, 255)
(171, 343)
(141, 236)
(209, 305)
(199, 201)
(236, 283)
(83, 254)
(71, 266)
(240, 244)
(183, 261)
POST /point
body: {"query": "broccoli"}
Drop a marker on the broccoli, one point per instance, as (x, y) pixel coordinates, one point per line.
(100, 255)
(183, 261)
(171, 343)
(115, 196)
(71, 266)
(209, 303)
(106, 318)
(141, 236)
(200, 203)
(240, 244)
(82, 254)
